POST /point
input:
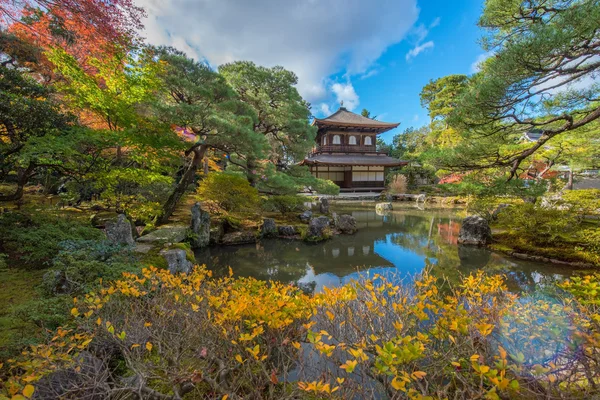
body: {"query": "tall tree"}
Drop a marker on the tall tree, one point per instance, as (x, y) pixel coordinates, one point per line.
(541, 76)
(86, 29)
(199, 104)
(282, 114)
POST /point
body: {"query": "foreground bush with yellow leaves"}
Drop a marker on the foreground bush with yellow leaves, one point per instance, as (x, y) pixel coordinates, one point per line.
(163, 336)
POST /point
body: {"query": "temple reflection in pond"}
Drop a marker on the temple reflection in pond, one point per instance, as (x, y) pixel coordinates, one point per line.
(398, 244)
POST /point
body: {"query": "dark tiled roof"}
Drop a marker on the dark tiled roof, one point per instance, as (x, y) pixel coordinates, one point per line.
(353, 159)
(343, 117)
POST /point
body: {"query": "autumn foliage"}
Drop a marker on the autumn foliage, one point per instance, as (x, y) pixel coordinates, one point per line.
(195, 335)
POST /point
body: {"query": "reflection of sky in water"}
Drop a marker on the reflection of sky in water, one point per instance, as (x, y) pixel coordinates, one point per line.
(397, 245)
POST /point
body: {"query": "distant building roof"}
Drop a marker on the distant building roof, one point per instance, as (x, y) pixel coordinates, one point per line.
(533, 135)
(345, 118)
(353, 159)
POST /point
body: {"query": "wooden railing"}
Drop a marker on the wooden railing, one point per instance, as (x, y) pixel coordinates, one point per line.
(346, 148)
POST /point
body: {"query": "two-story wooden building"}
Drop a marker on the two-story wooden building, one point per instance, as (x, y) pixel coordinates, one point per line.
(346, 151)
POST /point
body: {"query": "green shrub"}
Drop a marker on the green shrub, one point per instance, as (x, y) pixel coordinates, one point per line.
(80, 264)
(284, 204)
(538, 225)
(231, 192)
(582, 202)
(32, 241)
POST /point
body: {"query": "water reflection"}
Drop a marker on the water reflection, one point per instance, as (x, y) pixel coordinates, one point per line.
(398, 244)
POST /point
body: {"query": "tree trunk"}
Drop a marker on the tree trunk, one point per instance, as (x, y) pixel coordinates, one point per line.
(251, 171)
(23, 177)
(186, 179)
(570, 180)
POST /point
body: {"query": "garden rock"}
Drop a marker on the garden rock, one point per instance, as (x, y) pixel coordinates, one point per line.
(324, 206)
(166, 234)
(177, 261)
(475, 231)
(241, 237)
(305, 216)
(383, 207)
(87, 379)
(100, 219)
(216, 234)
(346, 224)
(269, 228)
(200, 227)
(286, 231)
(55, 282)
(118, 231)
(317, 229)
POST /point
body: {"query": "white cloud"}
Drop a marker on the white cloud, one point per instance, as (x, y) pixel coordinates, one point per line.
(476, 65)
(419, 49)
(325, 110)
(370, 73)
(419, 34)
(415, 117)
(345, 92)
(313, 38)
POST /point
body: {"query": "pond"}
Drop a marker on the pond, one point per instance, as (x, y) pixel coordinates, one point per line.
(398, 245)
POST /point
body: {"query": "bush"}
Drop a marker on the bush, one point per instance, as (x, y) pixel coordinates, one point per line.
(231, 192)
(241, 338)
(32, 241)
(284, 204)
(398, 184)
(582, 202)
(538, 225)
(80, 264)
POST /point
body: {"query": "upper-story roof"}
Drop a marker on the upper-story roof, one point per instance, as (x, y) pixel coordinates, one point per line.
(345, 119)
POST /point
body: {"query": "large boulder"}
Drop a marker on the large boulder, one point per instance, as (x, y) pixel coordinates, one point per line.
(177, 261)
(200, 227)
(240, 237)
(305, 216)
(167, 234)
(269, 228)
(216, 234)
(475, 231)
(318, 229)
(346, 224)
(324, 206)
(118, 231)
(286, 231)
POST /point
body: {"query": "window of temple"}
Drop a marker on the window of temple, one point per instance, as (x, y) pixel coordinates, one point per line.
(352, 140)
(336, 139)
(324, 140)
(368, 141)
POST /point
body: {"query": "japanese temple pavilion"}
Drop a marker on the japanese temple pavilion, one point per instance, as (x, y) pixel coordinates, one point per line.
(346, 152)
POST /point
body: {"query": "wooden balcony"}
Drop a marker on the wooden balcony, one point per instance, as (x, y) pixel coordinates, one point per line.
(345, 148)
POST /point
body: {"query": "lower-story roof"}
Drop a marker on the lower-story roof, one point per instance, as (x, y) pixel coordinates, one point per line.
(353, 159)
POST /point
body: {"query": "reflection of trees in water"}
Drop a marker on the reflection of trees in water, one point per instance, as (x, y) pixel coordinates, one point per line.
(430, 235)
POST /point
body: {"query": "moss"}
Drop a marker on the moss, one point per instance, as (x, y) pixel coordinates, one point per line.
(189, 254)
(509, 242)
(17, 288)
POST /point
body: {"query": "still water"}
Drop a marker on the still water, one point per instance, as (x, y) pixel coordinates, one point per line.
(398, 244)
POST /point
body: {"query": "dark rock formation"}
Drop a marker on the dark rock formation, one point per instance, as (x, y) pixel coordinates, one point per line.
(269, 228)
(118, 231)
(200, 227)
(346, 224)
(475, 231)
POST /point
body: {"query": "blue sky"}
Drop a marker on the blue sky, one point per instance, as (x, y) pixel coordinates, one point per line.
(374, 54)
(393, 93)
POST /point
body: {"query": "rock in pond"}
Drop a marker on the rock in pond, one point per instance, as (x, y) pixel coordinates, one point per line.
(118, 231)
(318, 229)
(286, 231)
(382, 207)
(166, 234)
(269, 228)
(475, 231)
(240, 237)
(177, 261)
(324, 206)
(305, 216)
(200, 227)
(346, 224)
